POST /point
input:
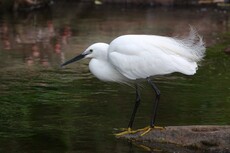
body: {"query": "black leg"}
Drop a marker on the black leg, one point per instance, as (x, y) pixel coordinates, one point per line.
(137, 103)
(154, 113)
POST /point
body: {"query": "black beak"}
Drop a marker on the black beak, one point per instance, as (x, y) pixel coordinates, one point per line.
(77, 58)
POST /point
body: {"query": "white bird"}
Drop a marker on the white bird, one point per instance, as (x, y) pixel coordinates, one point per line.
(129, 58)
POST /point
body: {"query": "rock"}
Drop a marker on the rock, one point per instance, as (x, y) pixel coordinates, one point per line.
(185, 138)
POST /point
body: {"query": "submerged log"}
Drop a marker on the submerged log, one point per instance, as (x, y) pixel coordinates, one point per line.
(185, 138)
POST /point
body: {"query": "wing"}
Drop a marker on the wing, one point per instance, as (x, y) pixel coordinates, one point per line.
(142, 56)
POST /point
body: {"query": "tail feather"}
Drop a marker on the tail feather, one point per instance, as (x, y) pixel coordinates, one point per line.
(194, 45)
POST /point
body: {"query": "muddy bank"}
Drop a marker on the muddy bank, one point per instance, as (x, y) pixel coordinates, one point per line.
(185, 138)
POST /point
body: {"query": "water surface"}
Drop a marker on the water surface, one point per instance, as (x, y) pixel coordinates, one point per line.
(44, 108)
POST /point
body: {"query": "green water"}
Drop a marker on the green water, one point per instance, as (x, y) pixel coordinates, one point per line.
(44, 108)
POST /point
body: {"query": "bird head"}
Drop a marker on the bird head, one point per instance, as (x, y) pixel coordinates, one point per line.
(97, 50)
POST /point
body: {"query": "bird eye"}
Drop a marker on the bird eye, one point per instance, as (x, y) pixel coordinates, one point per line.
(91, 50)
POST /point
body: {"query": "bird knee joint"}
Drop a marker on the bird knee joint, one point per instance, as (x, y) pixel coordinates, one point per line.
(158, 93)
(138, 101)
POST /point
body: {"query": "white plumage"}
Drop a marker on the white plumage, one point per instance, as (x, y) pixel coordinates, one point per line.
(142, 56)
(133, 57)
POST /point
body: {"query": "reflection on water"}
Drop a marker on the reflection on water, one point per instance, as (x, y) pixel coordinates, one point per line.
(35, 37)
(48, 109)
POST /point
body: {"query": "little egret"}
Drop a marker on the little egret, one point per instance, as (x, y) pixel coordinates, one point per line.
(129, 58)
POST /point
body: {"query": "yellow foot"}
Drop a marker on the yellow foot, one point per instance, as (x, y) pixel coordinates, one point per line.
(128, 131)
(148, 128)
(144, 130)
